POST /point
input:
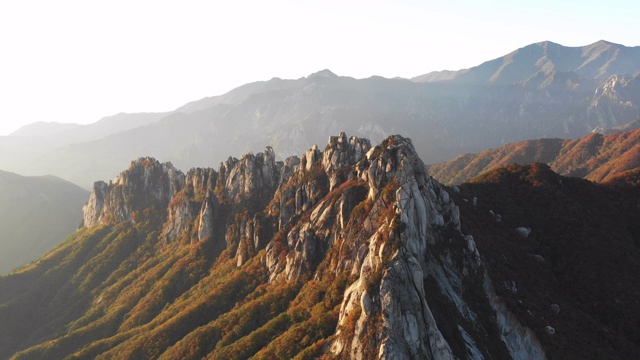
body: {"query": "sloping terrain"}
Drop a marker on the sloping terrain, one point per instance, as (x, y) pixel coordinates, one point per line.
(350, 252)
(35, 214)
(563, 252)
(595, 157)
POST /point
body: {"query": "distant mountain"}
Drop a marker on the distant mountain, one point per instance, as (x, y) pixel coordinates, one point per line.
(348, 252)
(595, 157)
(598, 61)
(35, 214)
(542, 90)
(42, 128)
(25, 150)
(75, 133)
(620, 128)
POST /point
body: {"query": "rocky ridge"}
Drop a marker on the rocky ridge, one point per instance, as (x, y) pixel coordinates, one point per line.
(144, 184)
(372, 212)
(362, 235)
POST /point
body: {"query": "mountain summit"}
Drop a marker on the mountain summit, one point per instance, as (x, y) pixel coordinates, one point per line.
(597, 61)
(322, 73)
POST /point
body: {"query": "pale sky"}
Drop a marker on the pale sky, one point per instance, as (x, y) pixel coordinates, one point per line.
(78, 61)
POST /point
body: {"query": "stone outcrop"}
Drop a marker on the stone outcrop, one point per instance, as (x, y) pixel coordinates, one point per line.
(374, 213)
(318, 174)
(340, 154)
(183, 210)
(147, 182)
(253, 236)
(205, 228)
(398, 257)
(251, 176)
(404, 245)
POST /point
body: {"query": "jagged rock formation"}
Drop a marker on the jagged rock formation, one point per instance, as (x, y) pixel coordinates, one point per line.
(182, 213)
(351, 251)
(404, 246)
(250, 176)
(205, 228)
(146, 183)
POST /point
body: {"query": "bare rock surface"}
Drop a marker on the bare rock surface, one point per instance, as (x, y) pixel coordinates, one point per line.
(420, 287)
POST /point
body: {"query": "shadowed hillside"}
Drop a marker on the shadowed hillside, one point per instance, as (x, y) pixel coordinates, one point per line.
(565, 253)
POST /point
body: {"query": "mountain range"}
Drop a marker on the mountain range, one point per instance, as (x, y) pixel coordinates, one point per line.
(539, 91)
(36, 213)
(596, 157)
(598, 61)
(352, 251)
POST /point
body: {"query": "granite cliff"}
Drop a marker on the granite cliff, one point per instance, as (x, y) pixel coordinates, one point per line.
(352, 251)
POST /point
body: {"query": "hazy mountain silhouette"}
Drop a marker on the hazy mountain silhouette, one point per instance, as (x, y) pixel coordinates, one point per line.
(597, 61)
(42, 128)
(542, 90)
(35, 214)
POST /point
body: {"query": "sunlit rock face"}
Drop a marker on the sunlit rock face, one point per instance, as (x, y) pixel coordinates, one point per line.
(181, 212)
(250, 176)
(419, 287)
(405, 247)
(147, 182)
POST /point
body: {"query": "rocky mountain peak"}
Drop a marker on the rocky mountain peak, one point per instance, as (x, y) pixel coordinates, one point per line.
(371, 212)
(146, 183)
(250, 176)
(399, 235)
(310, 158)
(341, 152)
(326, 73)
